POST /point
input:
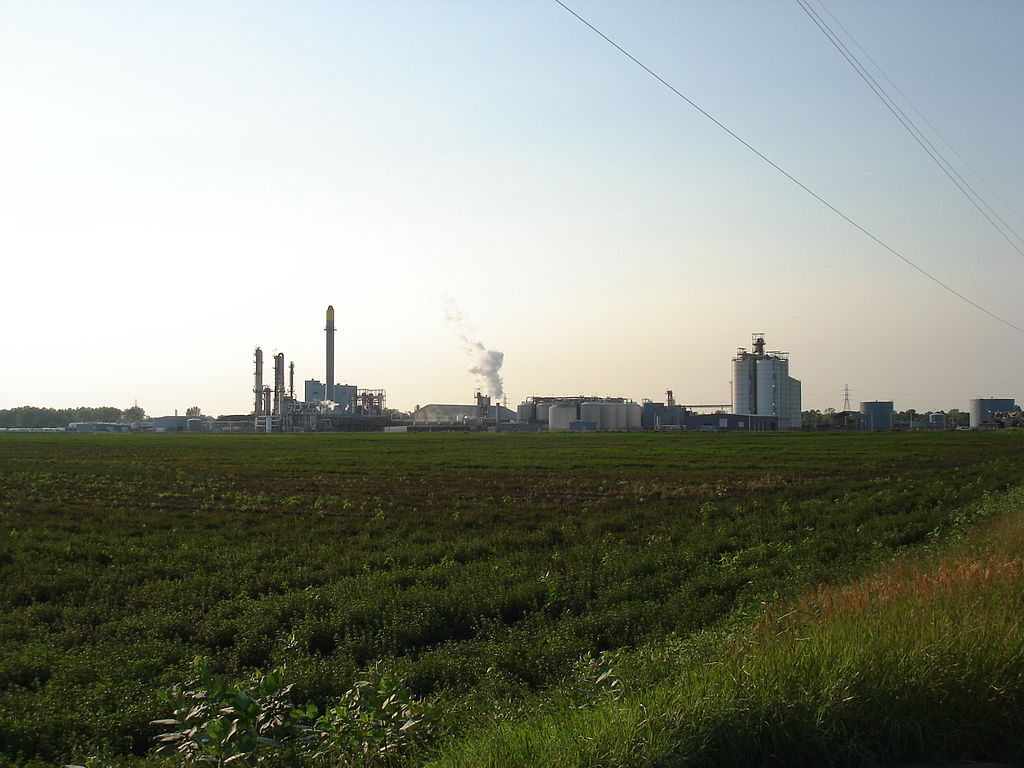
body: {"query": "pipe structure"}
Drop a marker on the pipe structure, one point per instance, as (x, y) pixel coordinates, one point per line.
(258, 387)
(291, 380)
(329, 381)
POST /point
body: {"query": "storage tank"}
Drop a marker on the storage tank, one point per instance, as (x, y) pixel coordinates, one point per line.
(621, 419)
(877, 414)
(743, 385)
(772, 387)
(937, 420)
(634, 416)
(560, 415)
(542, 412)
(592, 411)
(982, 408)
(526, 411)
(609, 416)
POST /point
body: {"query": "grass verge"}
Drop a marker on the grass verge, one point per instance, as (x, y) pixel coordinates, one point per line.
(922, 660)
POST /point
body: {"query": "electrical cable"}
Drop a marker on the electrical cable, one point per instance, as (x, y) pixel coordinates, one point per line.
(947, 168)
(924, 117)
(785, 173)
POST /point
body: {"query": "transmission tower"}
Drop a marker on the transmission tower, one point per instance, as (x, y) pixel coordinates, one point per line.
(846, 397)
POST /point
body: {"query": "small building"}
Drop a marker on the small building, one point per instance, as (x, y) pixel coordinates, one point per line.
(660, 415)
(83, 427)
(169, 424)
(731, 422)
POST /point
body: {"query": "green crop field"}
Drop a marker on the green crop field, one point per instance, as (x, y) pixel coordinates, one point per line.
(476, 569)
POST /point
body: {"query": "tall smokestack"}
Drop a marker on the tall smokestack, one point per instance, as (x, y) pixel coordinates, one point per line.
(329, 384)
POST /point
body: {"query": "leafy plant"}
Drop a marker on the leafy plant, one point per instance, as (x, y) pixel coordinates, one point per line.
(375, 720)
(596, 680)
(218, 722)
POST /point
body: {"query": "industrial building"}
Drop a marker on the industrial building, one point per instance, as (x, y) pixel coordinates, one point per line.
(327, 406)
(762, 386)
(580, 413)
(671, 416)
(988, 412)
(481, 415)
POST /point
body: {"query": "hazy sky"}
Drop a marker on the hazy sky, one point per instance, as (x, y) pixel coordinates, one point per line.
(183, 181)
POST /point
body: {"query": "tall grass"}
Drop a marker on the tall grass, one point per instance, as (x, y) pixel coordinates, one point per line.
(923, 659)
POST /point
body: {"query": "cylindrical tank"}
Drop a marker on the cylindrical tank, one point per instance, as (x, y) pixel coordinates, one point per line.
(771, 386)
(621, 419)
(981, 409)
(877, 414)
(592, 412)
(609, 417)
(743, 385)
(634, 416)
(542, 412)
(937, 420)
(560, 415)
(526, 411)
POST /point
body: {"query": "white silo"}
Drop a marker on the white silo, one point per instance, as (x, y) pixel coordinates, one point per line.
(542, 412)
(526, 411)
(560, 415)
(772, 387)
(621, 418)
(634, 416)
(591, 411)
(609, 417)
(761, 385)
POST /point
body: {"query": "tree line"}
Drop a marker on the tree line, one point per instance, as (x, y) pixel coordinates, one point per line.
(28, 416)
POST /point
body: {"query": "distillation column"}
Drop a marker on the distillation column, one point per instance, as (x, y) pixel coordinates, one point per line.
(258, 387)
(278, 382)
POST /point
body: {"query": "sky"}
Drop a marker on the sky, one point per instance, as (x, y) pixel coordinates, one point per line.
(183, 181)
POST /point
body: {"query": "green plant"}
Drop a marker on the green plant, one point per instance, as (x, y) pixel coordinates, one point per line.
(596, 680)
(218, 722)
(375, 720)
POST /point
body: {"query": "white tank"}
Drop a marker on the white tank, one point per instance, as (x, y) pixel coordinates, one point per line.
(542, 412)
(621, 417)
(592, 412)
(634, 416)
(771, 390)
(609, 419)
(560, 415)
(526, 411)
(743, 385)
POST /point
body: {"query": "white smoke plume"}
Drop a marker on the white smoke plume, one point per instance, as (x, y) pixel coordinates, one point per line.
(484, 363)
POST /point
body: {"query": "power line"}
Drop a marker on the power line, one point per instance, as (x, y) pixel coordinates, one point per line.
(785, 173)
(928, 122)
(947, 168)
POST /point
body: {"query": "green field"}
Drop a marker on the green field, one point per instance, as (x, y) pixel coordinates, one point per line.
(478, 569)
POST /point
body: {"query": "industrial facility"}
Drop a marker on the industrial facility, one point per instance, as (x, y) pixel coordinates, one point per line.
(329, 407)
(762, 386)
(765, 399)
(994, 412)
